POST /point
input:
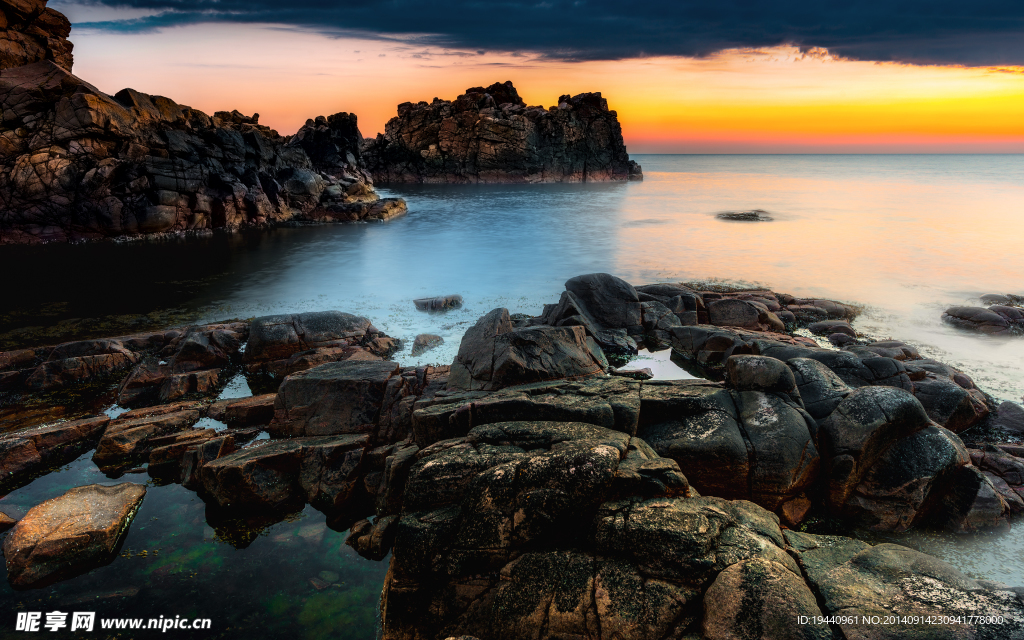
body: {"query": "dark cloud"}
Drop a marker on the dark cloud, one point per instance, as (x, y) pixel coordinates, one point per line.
(915, 31)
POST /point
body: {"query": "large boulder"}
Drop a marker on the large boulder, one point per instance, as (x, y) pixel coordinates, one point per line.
(285, 474)
(493, 355)
(568, 528)
(71, 534)
(612, 302)
(278, 337)
(746, 314)
(750, 444)
(996, 320)
(334, 398)
(757, 599)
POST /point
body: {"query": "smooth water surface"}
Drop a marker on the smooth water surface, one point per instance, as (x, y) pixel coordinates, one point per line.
(904, 236)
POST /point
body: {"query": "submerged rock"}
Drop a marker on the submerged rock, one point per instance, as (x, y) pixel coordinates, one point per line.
(425, 342)
(491, 135)
(996, 320)
(440, 303)
(71, 534)
(754, 215)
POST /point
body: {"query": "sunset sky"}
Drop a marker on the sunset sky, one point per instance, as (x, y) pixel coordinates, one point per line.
(747, 84)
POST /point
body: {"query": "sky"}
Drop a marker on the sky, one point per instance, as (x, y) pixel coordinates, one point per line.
(729, 76)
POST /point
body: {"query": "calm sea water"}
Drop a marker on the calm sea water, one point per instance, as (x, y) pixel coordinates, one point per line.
(903, 236)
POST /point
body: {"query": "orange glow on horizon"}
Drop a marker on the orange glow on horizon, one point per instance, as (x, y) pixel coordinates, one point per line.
(735, 101)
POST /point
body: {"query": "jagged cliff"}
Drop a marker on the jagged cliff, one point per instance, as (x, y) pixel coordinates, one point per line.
(491, 135)
(31, 32)
(78, 163)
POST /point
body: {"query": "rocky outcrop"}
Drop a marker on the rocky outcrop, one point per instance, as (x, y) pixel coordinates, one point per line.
(997, 320)
(77, 163)
(70, 534)
(32, 32)
(491, 135)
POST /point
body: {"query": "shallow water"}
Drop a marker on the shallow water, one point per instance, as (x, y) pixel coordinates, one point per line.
(904, 236)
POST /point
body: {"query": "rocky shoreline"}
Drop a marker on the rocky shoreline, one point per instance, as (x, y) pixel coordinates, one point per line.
(523, 492)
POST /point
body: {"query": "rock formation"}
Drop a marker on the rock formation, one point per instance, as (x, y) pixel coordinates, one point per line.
(491, 135)
(77, 163)
(523, 493)
(31, 32)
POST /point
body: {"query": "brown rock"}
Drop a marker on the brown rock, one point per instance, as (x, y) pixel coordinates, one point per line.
(335, 398)
(29, 450)
(244, 412)
(55, 374)
(128, 440)
(70, 534)
(6, 522)
(759, 599)
(179, 385)
(425, 342)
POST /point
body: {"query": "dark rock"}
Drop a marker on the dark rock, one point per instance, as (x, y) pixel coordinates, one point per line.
(373, 541)
(635, 374)
(440, 303)
(1009, 416)
(195, 458)
(993, 321)
(759, 373)
(25, 452)
(858, 582)
(165, 456)
(179, 385)
(31, 32)
(490, 135)
(612, 302)
(970, 503)
(127, 440)
(759, 598)
(70, 534)
(613, 403)
(279, 337)
(244, 412)
(425, 342)
(658, 321)
(55, 374)
(284, 474)
(139, 164)
(755, 215)
(821, 390)
(949, 404)
(493, 355)
(335, 398)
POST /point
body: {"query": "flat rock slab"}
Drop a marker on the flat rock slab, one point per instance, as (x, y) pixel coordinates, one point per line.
(126, 440)
(71, 534)
(335, 398)
(22, 452)
(244, 412)
(287, 473)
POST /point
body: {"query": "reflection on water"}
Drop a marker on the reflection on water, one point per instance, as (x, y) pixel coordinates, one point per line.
(906, 236)
(297, 578)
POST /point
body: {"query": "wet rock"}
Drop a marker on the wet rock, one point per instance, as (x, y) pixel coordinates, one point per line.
(612, 302)
(55, 374)
(128, 440)
(821, 390)
(858, 581)
(439, 303)
(195, 458)
(179, 385)
(279, 337)
(166, 453)
(373, 541)
(493, 355)
(995, 320)
(285, 474)
(490, 135)
(70, 534)
(206, 349)
(739, 445)
(425, 342)
(658, 320)
(143, 384)
(244, 412)
(828, 327)
(970, 503)
(635, 374)
(949, 404)
(862, 427)
(759, 598)
(841, 340)
(613, 403)
(310, 358)
(335, 398)
(746, 314)
(1009, 416)
(25, 452)
(758, 373)
(755, 215)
